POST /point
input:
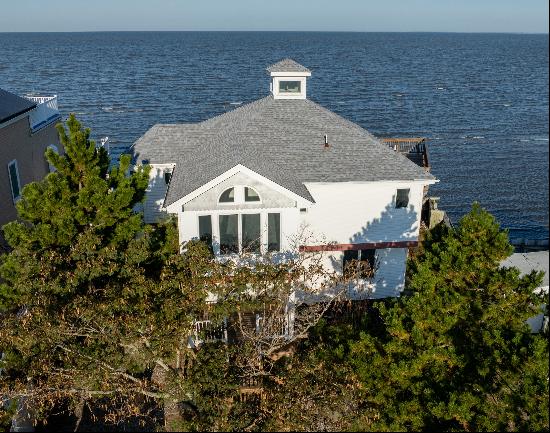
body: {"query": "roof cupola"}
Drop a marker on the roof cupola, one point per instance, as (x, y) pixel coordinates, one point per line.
(288, 79)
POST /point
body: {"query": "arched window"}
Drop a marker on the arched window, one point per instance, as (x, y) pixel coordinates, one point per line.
(228, 196)
(250, 194)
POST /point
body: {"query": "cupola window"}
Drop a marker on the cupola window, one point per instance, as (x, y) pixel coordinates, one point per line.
(289, 87)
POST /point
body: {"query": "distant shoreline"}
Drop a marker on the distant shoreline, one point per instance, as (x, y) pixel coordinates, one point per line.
(280, 31)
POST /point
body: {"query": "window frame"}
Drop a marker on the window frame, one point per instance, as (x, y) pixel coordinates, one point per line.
(225, 203)
(359, 258)
(13, 163)
(282, 92)
(251, 201)
(396, 202)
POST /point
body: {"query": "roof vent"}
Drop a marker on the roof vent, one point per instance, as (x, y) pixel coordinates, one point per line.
(326, 141)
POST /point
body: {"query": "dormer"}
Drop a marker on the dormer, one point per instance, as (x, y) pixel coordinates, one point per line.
(288, 79)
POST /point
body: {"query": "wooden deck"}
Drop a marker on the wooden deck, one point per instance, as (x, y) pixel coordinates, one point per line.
(414, 148)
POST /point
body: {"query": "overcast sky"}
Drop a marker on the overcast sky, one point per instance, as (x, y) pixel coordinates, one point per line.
(524, 16)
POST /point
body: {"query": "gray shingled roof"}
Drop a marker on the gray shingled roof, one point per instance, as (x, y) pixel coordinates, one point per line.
(527, 262)
(12, 105)
(287, 65)
(280, 139)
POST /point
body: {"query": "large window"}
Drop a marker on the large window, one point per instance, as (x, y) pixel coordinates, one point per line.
(359, 263)
(242, 233)
(402, 198)
(251, 233)
(229, 234)
(289, 86)
(273, 232)
(15, 184)
(205, 230)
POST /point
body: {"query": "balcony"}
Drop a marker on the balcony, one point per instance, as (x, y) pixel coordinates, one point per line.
(45, 112)
(413, 148)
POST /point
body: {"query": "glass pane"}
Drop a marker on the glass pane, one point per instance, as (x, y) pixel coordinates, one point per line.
(229, 236)
(274, 232)
(251, 233)
(228, 196)
(366, 263)
(289, 86)
(402, 198)
(14, 180)
(205, 229)
(250, 195)
(349, 264)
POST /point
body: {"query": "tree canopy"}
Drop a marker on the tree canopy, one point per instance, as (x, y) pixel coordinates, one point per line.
(99, 307)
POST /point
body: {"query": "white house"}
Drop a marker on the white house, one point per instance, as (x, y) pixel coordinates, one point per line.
(253, 178)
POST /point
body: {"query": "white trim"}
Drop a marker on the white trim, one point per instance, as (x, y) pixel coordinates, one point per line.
(290, 74)
(14, 163)
(239, 168)
(366, 182)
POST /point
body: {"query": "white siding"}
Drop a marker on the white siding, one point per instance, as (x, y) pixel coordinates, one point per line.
(156, 192)
(363, 212)
(343, 213)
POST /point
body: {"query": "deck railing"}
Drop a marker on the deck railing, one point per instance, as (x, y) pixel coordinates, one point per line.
(206, 331)
(45, 112)
(414, 148)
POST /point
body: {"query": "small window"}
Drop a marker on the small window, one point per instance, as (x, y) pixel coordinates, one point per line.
(402, 198)
(251, 233)
(250, 194)
(228, 196)
(350, 263)
(15, 184)
(205, 230)
(359, 263)
(367, 262)
(289, 86)
(229, 235)
(167, 177)
(273, 232)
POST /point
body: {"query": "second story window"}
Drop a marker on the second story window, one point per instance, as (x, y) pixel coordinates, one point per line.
(229, 234)
(289, 87)
(15, 184)
(250, 194)
(273, 232)
(228, 196)
(251, 233)
(205, 230)
(402, 198)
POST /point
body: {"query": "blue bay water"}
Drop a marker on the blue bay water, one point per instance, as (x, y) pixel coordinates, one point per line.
(481, 99)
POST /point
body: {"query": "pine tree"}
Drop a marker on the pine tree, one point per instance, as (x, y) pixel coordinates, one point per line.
(457, 354)
(89, 295)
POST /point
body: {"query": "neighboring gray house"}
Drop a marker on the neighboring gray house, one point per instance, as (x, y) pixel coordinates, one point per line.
(27, 129)
(526, 263)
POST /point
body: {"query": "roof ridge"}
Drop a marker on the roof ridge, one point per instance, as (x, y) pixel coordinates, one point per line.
(235, 110)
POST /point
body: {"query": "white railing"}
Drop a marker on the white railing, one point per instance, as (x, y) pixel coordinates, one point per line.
(46, 110)
(205, 331)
